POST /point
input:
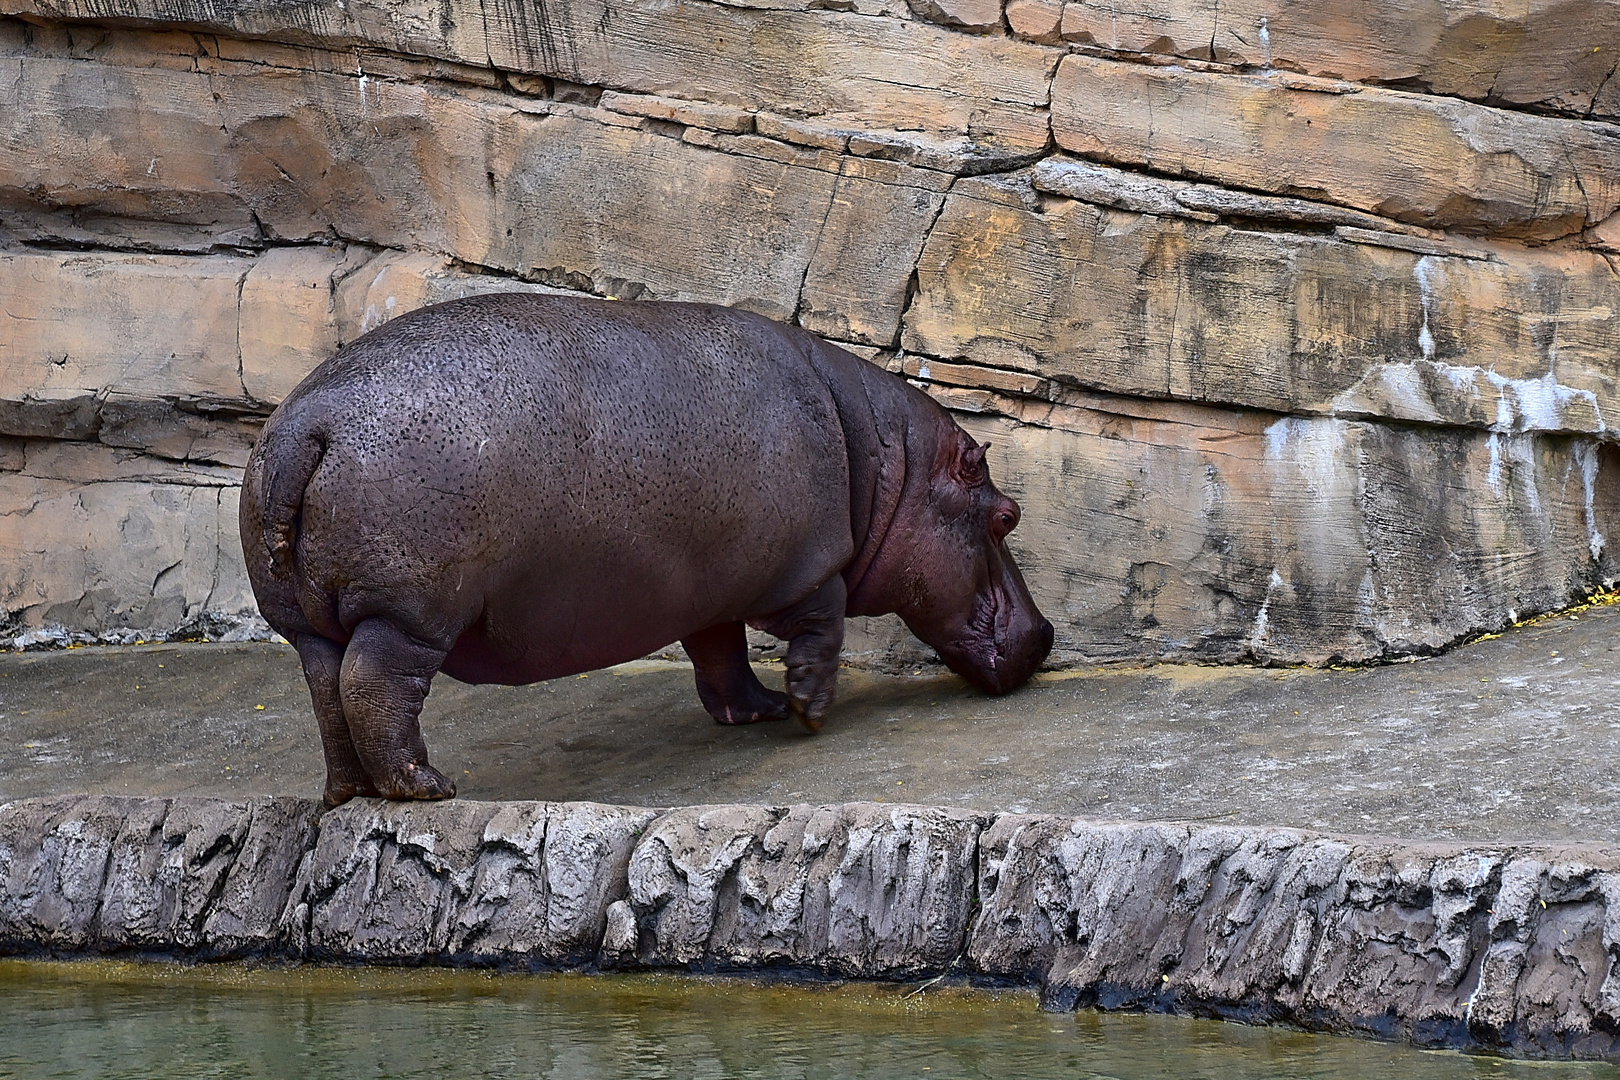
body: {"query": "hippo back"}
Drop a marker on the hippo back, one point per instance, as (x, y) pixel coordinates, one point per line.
(554, 484)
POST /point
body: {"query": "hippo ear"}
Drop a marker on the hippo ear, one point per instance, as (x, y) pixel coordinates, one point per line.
(968, 468)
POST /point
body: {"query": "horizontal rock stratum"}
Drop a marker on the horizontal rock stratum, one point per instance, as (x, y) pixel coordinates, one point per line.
(1293, 326)
(1513, 949)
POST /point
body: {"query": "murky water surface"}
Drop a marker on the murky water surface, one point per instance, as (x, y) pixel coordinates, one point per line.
(102, 1019)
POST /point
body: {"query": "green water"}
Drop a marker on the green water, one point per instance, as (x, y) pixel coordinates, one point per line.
(105, 1019)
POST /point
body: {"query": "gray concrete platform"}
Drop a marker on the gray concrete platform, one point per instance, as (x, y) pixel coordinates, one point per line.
(1512, 739)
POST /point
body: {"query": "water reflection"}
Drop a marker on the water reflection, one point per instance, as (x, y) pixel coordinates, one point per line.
(102, 1019)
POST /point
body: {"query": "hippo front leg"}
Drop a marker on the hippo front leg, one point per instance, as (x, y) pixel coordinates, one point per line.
(814, 630)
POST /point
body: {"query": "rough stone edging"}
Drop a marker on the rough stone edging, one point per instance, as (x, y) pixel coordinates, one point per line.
(1508, 948)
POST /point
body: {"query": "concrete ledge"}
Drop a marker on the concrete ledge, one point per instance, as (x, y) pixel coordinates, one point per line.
(1511, 949)
(1504, 948)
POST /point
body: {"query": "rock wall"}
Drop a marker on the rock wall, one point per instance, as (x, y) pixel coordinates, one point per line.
(1506, 949)
(1292, 324)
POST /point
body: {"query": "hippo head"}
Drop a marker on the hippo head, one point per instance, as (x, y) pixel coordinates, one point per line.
(955, 583)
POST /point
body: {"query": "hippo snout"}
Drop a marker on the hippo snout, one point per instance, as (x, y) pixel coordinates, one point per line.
(1003, 664)
(1021, 657)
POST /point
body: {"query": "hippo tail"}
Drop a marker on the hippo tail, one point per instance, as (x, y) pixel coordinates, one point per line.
(289, 459)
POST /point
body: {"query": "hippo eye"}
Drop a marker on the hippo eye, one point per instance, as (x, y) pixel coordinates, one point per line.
(1004, 520)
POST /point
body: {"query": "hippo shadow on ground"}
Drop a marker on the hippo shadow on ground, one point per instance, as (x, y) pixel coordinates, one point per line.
(638, 735)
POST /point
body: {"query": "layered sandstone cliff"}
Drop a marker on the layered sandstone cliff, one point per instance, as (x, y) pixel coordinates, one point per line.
(1292, 324)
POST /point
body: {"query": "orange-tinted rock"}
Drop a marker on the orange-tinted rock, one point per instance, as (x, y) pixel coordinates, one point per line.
(1556, 55)
(1437, 162)
(1289, 322)
(973, 16)
(1036, 20)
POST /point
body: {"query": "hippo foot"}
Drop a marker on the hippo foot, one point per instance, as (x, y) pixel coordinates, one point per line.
(339, 792)
(418, 782)
(810, 692)
(757, 708)
(812, 724)
(727, 686)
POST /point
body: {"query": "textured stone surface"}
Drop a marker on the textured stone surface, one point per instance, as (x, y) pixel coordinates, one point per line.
(880, 72)
(1437, 944)
(1433, 161)
(97, 352)
(973, 16)
(100, 351)
(558, 193)
(287, 316)
(463, 882)
(245, 914)
(1141, 193)
(1036, 20)
(855, 287)
(1297, 283)
(118, 545)
(1556, 55)
(859, 889)
(1143, 303)
(1552, 54)
(1181, 531)
(723, 118)
(53, 857)
(1441, 944)
(100, 324)
(107, 874)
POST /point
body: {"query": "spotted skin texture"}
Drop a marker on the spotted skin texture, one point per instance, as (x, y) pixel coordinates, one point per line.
(513, 488)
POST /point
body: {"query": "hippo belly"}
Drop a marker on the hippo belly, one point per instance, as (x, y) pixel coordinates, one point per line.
(549, 619)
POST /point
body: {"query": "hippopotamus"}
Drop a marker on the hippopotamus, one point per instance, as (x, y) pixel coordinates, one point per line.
(517, 487)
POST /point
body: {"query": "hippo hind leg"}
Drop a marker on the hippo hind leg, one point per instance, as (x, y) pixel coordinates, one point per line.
(726, 684)
(383, 681)
(323, 662)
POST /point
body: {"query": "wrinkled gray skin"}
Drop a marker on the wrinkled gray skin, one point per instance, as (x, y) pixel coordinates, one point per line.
(516, 487)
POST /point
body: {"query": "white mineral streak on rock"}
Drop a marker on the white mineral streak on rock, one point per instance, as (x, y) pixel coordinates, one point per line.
(1262, 621)
(1586, 457)
(1472, 396)
(1544, 404)
(1521, 456)
(1426, 292)
(1316, 449)
(1493, 475)
(1317, 458)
